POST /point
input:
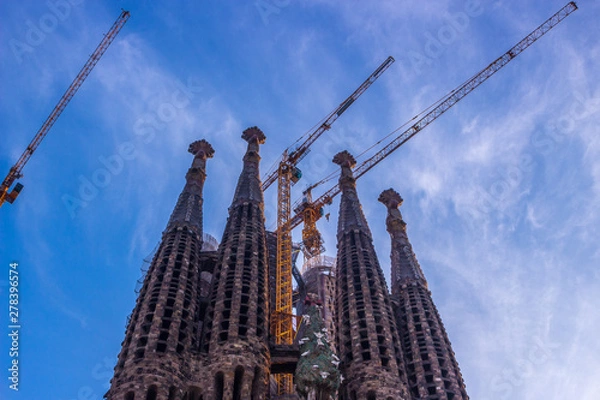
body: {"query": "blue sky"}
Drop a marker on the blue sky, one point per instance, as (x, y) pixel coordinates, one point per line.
(500, 193)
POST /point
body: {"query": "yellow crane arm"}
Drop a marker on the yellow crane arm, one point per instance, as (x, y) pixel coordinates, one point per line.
(15, 171)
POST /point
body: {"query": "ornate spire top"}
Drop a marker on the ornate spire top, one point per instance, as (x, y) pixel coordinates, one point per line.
(249, 185)
(405, 267)
(188, 210)
(351, 215)
(254, 134)
(392, 200)
(202, 149)
(345, 160)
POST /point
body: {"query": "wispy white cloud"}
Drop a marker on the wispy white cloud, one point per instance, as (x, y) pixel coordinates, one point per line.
(500, 205)
(56, 295)
(510, 289)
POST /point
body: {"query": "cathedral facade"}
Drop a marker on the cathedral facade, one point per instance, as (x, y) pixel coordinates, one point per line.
(200, 328)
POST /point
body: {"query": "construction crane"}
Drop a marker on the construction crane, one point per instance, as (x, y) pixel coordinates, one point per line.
(15, 171)
(286, 175)
(309, 212)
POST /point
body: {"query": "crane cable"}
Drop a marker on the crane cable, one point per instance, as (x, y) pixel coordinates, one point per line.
(418, 116)
(277, 161)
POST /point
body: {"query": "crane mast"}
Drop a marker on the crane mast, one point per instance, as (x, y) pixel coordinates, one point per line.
(15, 171)
(286, 175)
(309, 211)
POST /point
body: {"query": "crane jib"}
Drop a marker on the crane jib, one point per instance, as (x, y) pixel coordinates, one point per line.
(345, 107)
(385, 64)
(448, 102)
(295, 156)
(461, 92)
(15, 171)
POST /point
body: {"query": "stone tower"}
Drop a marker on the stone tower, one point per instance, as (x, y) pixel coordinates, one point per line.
(368, 343)
(431, 367)
(159, 337)
(200, 326)
(237, 321)
(318, 274)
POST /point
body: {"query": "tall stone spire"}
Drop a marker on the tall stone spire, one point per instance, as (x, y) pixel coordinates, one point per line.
(249, 185)
(367, 334)
(405, 267)
(236, 329)
(164, 323)
(351, 215)
(431, 366)
(188, 210)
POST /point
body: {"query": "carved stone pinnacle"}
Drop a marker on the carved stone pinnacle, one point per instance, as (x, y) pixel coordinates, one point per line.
(254, 134)
(344, 159)
(390, 198)
(201, 148)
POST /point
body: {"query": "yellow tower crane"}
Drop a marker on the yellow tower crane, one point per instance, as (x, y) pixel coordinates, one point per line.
(309, 211)
(286, 175)
(15, 171)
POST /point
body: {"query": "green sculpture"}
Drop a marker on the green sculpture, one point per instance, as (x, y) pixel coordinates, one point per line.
(317, 373)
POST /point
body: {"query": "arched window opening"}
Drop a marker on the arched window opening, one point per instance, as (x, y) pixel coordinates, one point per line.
(151, 395)
(237, 383)
(172, 392)
(256, 384)
(219, 384)
(193, 393)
